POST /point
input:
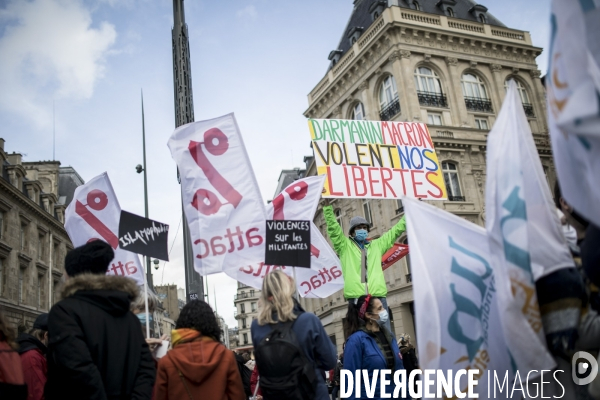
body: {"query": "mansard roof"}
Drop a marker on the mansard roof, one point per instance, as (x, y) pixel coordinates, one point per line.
(361, 14)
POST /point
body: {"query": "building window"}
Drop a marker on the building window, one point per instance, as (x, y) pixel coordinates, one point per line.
(54, 287)
(434, 119)
(416, 6)
(1, 276)
(473, 86)
(243, 323)
(400, 206)
(387, 92)
(243, 308)
(56, 255)
(481, 123)
(338, 217)
(482, 19)
(389, 104)
(427, 81)
(251, 293)
(450, 12)
(21, 288)
(408, 266)
(524, 97)
(1, 224)
(22, 237)
(375, 15)
(367, 211)
(245, 338)
(358, 113)
(253, 305)
(475, 93)
(452, 182)
(40, 283)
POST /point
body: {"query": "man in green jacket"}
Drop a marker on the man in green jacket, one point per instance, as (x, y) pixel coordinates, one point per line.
(356, 251)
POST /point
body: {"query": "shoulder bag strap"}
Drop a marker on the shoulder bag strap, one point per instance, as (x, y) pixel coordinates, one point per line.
(187, 389)
(363, 267)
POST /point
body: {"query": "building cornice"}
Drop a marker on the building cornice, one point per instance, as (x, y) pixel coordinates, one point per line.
(30, 205)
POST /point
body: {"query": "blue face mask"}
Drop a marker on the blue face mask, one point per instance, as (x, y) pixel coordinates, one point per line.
(142, 318)
(361, 235)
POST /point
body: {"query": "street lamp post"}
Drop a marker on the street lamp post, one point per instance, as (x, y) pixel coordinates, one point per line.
(139, 168)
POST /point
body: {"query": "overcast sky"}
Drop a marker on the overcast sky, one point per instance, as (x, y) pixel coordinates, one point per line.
(92, 58)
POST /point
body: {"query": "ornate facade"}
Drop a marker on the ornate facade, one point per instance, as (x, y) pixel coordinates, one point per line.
(446, 66)
(33, 240)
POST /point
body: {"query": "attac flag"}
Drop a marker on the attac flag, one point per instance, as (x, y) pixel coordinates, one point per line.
(221, 199)
(573, 95)
(525, 236)
(299, 201)
(393, 255)
(457, 302)
(94, 214)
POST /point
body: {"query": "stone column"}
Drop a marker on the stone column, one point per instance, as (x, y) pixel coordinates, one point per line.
(456, 93)
(371, 110)
(400, 59)
(499, 83)
(539, 100)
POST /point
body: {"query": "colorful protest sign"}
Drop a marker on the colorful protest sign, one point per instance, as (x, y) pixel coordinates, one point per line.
(457, 302)
(94, 214)
(573, 88)
(299, 201)
(221, 199)
(376, 159)
(525, 238)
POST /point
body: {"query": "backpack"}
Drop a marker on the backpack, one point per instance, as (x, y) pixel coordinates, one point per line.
(285, 372)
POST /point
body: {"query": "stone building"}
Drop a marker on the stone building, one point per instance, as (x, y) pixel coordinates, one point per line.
(442, 62)
(33, 240)
(168, 295)
(246, 304)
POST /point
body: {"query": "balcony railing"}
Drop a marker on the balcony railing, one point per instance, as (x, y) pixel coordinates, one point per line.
(240, 315)
(432, 99)
(456, 198)
(245, 296)
(390, 110)
(478, 104)
(408, 278)
(528, 110)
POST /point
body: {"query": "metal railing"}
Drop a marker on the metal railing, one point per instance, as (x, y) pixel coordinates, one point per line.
(478, 104)
(528, 110)
(244, 295)
(457, 198)
(432, 99)
(408, 278)
(390, 110)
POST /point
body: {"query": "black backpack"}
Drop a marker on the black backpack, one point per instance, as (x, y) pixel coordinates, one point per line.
(245, 373)
(285, 372)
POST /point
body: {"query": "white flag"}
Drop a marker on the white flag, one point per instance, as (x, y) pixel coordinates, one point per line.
(456, 298)
(299, 201)
(573, 94)
(93, 214)
(222, 202)
(525, 237)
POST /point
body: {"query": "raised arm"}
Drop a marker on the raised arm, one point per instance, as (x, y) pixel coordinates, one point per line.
(334, 230)
(386, 241)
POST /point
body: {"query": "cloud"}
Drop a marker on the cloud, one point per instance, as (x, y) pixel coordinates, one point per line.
(49, 50)
(247, 12)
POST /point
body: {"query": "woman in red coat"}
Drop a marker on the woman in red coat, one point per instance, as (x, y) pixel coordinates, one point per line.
(32, 349)
(12, 383)
(199, 366)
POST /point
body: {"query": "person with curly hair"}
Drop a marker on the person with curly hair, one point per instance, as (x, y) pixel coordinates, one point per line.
(199, 366)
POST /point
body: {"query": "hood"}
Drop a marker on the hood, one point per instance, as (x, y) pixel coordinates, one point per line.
(112, 294)
(27, 342)
(197, 360)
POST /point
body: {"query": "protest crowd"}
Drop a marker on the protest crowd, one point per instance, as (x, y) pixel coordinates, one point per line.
(528, 283)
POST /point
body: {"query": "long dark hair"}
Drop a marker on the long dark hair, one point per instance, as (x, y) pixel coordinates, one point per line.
(353, 321)
(199, 316)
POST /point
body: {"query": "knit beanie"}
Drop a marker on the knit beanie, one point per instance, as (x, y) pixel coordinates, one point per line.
(93, 257)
